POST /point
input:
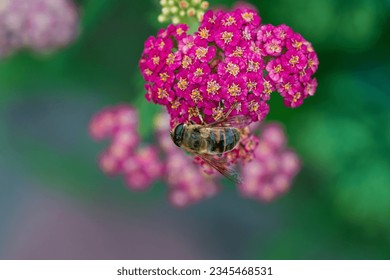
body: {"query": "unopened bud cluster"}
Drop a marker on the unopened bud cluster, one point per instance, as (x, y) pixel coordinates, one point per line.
(177, 11)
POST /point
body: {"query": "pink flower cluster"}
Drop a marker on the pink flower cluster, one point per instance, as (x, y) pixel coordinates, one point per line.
(41, 25)
(273, 167)
(266, 174)
(231, 60)
(139, 165)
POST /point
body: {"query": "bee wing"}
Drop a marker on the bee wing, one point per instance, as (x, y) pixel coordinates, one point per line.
(239, 121)
(222, 167)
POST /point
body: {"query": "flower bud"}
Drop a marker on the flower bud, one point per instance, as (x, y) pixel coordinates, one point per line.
(178, 11)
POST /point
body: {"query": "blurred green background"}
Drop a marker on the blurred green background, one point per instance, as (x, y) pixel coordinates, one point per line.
(55, 203)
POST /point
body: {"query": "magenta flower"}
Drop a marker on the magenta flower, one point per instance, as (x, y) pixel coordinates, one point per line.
(273, 46)
(275, 70)
(231, 60)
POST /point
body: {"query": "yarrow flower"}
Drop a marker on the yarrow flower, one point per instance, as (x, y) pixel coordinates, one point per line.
(142, 165)
(273, 167)
(139, 165)
(232, 60)
(40, 25)
(230, 65)
(180, 10)
(267, 173)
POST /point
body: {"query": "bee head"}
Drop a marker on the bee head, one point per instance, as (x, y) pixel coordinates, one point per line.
(177, 134)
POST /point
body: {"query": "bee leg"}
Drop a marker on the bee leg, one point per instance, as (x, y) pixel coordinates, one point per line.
(201, 119)
(219, 155)
(225, 116)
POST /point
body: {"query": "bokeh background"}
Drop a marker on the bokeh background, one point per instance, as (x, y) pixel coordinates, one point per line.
(56, 204)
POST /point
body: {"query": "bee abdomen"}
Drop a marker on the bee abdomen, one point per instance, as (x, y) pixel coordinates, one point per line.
(223, 140)
(232, 138)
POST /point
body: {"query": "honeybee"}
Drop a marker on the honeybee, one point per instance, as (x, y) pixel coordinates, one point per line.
(210, 141)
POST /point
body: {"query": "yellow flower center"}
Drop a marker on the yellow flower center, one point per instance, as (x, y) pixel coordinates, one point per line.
(217, 113)
(248, 17)
(253, 66)
(182, 84)
(310, 63)
(253, 106)
(162, 93)
(204, 33)
(201, 52)
(156, 60)
(297, 44)
(175, 104)
(267, 87)
(164, 76)
(198, 72)
(254, 48)
(278, 68)
(229, 21)
(193, 112)
(148, 72)
(234, 90)
(179, 31)
(212, 87)
(196, 96)
(251, 85)
(232, 69)
(309, 47)
(189, 45)
(246, 35)
(227, 37)
(170, 59)
(274, 47)
(282, 35)
(287, 86)
(238, 52)
(293, 60)
(212, 19)
(297, 96)
(187, 61)
(161, 45)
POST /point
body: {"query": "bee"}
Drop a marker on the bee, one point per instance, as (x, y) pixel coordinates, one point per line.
(210, 141)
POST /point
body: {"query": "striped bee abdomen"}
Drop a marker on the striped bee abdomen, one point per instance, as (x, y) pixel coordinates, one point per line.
(222, 139)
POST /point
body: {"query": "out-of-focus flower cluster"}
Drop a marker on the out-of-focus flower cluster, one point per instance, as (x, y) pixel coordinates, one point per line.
(178, 11)
(139, 165)
(40, 25)
(186, 181)
(231, 60)
(266, 175)
(273, 167)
